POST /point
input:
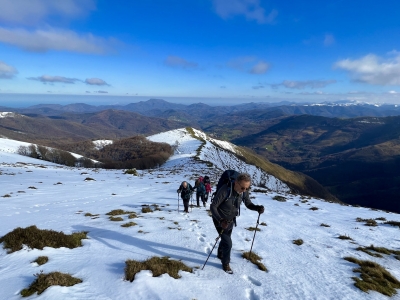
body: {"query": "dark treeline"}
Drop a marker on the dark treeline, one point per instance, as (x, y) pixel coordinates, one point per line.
(134, 152)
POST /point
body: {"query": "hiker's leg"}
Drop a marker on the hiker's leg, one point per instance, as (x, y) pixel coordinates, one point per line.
(197, 199)
(225, 244)
(186, 205)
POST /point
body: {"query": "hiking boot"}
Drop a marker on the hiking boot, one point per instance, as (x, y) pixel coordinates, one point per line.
(227, 269)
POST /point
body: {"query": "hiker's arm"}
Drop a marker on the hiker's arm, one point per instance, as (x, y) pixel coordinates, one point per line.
(250, 205)
(218, 199)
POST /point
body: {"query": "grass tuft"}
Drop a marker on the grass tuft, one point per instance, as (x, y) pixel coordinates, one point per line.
(263, 224)
(255, 259)
(89, 179)
(393, 223)
(279, 198)
(374, 277)
(6, 196)
(129, 224)
(325, 225)
(41, 260)
(368, 222)
(116, 219)
(298, 242)
(146, 209)
(157, 265)
(131, 172)
(344, 237)
(43, 281)
(117, 212)
(253, 229)
(38, 238)
(377, 250)
(314, 208)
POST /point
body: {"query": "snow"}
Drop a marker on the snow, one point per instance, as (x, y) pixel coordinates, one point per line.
(314, 270)
(99, 144)
(6, 114)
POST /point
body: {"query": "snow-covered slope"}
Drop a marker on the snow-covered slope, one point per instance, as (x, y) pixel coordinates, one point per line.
(219, 156)
(56, 197)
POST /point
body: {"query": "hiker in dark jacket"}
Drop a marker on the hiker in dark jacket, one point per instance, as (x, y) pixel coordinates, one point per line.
(186, 191)
(200, 192)
(225, 208)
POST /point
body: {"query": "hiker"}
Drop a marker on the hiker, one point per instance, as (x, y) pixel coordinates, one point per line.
(207, 185)
(200, 191)
(225, 208)
(186, 191)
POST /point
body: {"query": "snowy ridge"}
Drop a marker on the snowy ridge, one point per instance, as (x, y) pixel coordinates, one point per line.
(221, 157)
(6, 114)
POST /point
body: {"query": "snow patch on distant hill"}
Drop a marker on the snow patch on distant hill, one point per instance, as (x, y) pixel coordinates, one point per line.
(100, 144)
(6, 114)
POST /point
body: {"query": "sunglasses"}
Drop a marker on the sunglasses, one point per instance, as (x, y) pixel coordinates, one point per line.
(244, 188)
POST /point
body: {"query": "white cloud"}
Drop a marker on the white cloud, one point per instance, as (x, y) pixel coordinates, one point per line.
(7, 71)
(329, 40)
(251, 9)
(392, 92)
(53, 79)
(95, 81)
(372, 69)
(53, 39)
(176, 61)
(260, 68)
(248, 64)
(32, 12)
(313, 84)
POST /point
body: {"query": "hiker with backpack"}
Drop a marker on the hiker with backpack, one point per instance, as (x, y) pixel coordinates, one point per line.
(232, 190)
(186, 191)
(207, 185)
(200, 191)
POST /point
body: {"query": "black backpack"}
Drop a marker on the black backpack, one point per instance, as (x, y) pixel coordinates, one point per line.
(206, 179)
(227, 178)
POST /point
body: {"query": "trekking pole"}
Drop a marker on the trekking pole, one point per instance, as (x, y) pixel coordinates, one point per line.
(178, 202)
(254, 233)
(216, 240)
(191, 201)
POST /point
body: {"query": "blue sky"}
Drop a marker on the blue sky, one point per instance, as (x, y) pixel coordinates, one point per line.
(225, 51)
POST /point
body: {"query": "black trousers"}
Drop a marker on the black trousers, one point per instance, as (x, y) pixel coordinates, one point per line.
(186, 205)
(198, 196)
(225, 244)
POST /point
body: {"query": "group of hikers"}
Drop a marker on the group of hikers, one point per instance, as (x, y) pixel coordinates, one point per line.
(232, 190)
(203, 189)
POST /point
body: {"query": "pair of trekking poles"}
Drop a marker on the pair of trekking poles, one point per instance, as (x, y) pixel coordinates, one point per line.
(219, 236)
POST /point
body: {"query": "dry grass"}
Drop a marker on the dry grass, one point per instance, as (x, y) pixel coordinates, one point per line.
(314, 208)
(146, 209)
(37, 238)
(374, 277)
(89, 179)
(368, 222)
(6, 196)
(43, 281)
(132, 216)
(344, 237)
(325, 225)
(116, 219)
(157, 265)
(117, 212)
(129, 224)
(255, 259)
(131, 172)
(263, 224)
(393, 223)
(90, 215)
(279, 198)
(377, 251)
(298, 242)
(41, 260)
(253, 229)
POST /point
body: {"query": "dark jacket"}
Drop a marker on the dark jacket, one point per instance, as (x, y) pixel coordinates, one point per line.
(200, 188)
(185, 192)
(226, 203)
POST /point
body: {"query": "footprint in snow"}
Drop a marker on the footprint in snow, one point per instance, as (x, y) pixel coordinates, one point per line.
(201, 239)
(252, 280)
(251, 295)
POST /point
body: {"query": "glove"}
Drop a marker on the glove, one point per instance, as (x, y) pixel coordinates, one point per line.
(178, 191)
(224, 223)
(260, 209)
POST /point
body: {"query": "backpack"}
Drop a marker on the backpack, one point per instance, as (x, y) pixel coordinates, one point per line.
(206, 180)
(227, 178)
(201, 179)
